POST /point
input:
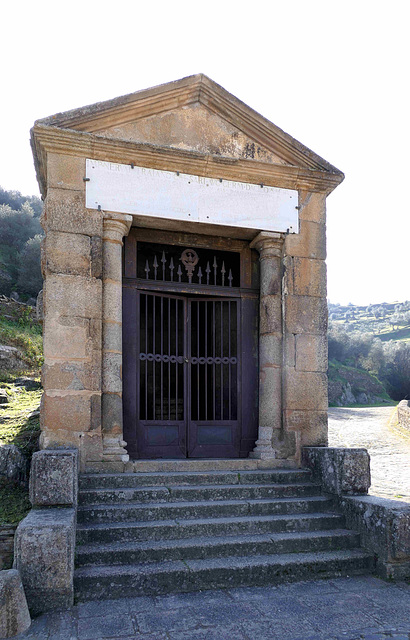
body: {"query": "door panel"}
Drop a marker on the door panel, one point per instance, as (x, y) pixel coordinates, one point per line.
(181, 389)
(161, 424)
(213, 354)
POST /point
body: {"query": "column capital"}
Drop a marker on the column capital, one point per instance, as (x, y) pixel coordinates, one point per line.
(116, 226)
(268, 242)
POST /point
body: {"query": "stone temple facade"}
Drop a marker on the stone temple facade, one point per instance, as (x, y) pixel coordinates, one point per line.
(184, 281)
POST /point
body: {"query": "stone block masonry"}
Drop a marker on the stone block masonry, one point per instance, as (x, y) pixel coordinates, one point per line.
(403, 413)
(14, 614)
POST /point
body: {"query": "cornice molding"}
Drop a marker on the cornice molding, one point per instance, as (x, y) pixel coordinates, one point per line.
(50, 139)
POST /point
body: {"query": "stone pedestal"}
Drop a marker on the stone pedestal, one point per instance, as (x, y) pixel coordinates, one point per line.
(115, 227)
(269, 246)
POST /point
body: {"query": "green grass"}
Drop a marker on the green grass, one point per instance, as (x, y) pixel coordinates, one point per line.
(399, 334)
(16, 425)
(14, 504)
(27, 337)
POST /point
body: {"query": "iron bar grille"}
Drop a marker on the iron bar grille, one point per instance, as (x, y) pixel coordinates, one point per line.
(188, 359)
(171, 263)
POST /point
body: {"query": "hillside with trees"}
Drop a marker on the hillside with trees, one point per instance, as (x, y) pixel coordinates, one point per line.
(20, 240)
(369, 353)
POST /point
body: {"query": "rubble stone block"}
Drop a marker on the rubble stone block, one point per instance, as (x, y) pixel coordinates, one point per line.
(309, 277)
(384, 527)
(13, 464)
(339, 470)
(73, 296)
(306, 314)
(65, 172)
(311, 352)
(64, 210)
(71, 410)
(44, 555)
(14, 613)
(54, 478)
(312, 426)
(312, 206)
(68, 253)
(310, 242)
(74, 375)
(305, 390)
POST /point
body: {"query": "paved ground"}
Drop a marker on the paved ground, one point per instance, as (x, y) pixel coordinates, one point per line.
(371, 427)
(339, 609)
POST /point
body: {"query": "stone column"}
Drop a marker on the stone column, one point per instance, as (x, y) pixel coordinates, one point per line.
(115, 227)
(269, 246)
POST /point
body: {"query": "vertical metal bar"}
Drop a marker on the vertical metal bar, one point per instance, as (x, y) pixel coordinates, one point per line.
(222, 364)
(162, 353)
(153, 362)
(213, 355)
(169, 363)
(229, 365)
(206, 356)
(197, 351)
(176, 353)
(146, 362)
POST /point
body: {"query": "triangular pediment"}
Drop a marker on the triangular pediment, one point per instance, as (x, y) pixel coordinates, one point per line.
(192, 114)
(193, 128)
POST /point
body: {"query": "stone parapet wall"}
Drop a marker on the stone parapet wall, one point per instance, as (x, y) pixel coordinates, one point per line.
(403, 413)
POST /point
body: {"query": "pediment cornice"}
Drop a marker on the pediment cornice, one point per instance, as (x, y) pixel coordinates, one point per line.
(197, 89)
(47, 138)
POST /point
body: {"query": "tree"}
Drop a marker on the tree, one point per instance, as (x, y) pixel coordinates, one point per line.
(29, 273)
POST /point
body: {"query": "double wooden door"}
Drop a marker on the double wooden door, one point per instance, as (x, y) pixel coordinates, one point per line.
(186, 375)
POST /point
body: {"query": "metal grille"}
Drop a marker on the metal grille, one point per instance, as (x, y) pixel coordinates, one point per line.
(162, 320)
(170, 263)
(213, 359)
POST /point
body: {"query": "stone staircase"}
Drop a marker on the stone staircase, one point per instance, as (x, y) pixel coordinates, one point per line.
(161, 532)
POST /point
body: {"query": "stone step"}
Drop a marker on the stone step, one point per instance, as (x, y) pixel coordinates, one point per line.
(215, 547)
(100, 582)
(204, 509)
(222, 526)
(196, 492)
(167, 479)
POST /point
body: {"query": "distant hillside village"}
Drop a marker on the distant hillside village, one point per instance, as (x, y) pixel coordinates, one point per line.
(369, 346)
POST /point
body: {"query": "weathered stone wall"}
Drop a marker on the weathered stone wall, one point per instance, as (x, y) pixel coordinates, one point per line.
(72, 298)
(403, 413)
(305, 326)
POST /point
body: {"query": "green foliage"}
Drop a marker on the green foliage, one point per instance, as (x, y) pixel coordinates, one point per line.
(20, 233)
(27, 337)
(29, 272)
(389, 361)
(14, 504)
(20, 422)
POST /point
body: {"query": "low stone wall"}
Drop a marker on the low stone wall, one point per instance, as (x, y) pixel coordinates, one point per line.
(403, 412)
(6, 546)
(383, 525)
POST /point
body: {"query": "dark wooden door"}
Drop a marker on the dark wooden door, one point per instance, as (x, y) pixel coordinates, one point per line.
(186, 375)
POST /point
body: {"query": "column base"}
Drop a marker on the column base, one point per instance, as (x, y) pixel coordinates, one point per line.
(113, 449)
(263, 451)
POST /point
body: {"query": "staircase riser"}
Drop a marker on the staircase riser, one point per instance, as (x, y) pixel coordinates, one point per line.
(164, 494)
(185, 581)
(139, 480)
(198, 510)
(221, 550)
(168, 531)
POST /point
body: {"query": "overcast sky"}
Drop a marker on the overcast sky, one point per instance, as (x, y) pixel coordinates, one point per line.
(335, 75)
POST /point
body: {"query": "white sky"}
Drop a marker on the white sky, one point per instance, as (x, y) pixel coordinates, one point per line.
(335, 75)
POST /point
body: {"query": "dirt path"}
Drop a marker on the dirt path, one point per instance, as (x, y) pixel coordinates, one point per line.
(389, 450)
